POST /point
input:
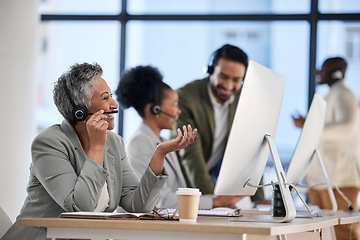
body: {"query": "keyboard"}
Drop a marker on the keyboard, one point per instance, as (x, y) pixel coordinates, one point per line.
(219, 212)
(225, 212)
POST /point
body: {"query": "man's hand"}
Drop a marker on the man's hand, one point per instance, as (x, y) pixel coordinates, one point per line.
(298, 121)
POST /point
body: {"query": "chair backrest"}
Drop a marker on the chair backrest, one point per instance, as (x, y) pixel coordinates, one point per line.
(5, 222)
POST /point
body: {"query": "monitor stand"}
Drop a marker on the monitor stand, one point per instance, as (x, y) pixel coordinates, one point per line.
(290, 211)
(328, 184)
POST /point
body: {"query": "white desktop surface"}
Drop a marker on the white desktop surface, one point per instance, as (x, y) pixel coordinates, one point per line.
(348, 217)
(205, 228)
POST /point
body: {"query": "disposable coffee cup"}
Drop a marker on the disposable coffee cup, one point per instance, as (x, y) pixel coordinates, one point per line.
(188, 204)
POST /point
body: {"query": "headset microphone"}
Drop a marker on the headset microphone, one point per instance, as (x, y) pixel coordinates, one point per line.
(80, 112)
(155, 108)
(115, 111)
(169, 115)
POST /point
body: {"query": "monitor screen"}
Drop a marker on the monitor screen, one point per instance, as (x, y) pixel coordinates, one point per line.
(256, 115)
(308, 142)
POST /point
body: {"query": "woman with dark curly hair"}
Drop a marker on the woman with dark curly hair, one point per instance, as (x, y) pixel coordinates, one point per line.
(157, 104)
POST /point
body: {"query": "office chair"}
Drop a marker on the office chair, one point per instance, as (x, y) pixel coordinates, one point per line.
(5, 222)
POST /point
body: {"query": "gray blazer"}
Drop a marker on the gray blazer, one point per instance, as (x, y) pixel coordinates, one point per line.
(140, 148)
(63, 179)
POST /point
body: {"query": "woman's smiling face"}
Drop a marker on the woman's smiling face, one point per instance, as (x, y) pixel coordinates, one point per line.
(102, 100)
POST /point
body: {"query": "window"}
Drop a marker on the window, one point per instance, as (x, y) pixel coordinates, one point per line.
(79, 7)
(352, 45)
(66, 43)
(339, 6)
(340, 38)
(179, 38)
(181, 51)
(217, 7)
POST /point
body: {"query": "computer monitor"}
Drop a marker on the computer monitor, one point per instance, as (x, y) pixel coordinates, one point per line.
(251, 137)
(307, 147)
(308, 141)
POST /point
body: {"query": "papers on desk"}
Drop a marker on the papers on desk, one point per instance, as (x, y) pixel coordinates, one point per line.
(107, 215)
(162, 214)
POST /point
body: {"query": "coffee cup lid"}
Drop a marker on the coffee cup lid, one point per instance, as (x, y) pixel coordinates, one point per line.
(188, 191)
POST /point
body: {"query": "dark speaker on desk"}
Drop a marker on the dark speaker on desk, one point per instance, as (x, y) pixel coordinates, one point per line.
(277, 203)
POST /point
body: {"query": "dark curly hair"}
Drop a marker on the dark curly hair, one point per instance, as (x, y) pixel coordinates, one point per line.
(139, 86)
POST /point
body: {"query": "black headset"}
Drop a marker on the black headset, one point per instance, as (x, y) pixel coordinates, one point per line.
(155, 108)
(79, 112)
(214, 57)
(218, 54)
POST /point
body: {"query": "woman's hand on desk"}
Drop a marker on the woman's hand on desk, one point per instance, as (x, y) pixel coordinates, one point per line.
(226, 201)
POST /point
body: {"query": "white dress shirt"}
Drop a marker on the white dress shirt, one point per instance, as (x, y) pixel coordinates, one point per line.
(221, 114)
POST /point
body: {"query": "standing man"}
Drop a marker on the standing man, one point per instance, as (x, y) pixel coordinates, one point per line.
(210, 104)
(339, 145)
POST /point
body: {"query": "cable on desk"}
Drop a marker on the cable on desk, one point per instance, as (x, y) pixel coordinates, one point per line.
(350, 207)
(297, 192)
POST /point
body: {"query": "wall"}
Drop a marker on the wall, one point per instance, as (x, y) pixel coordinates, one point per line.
(18, 26)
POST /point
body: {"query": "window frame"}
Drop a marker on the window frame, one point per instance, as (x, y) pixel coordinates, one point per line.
(313, 17)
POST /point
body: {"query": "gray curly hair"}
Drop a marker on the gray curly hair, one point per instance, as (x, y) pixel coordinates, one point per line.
(79, 79)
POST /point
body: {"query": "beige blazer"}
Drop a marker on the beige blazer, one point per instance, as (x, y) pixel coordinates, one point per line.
(339, 145)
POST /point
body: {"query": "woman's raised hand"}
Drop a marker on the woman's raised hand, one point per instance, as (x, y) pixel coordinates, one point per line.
(180, 142)
(157, 161)
(97, 127)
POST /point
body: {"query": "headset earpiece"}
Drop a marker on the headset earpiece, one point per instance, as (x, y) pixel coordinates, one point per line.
(337, 75)
(155, 109)
(210, 69)
(79, 112)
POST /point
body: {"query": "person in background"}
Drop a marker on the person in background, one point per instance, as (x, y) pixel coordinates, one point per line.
(79, 165)
(210, 104)
(157, 104)
(339, 145)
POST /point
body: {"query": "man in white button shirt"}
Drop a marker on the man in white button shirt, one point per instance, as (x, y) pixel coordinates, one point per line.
(339, 145)
(209, 105)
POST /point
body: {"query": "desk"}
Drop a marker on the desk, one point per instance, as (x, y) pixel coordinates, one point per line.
(205, 228)
(348, 217)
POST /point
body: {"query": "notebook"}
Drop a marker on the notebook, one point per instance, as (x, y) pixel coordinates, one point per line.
(106, 215)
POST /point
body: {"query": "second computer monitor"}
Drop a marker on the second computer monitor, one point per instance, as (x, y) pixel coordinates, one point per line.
(308, 142)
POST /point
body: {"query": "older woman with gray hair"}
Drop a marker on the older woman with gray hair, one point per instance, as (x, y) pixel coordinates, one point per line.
(79, 165)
